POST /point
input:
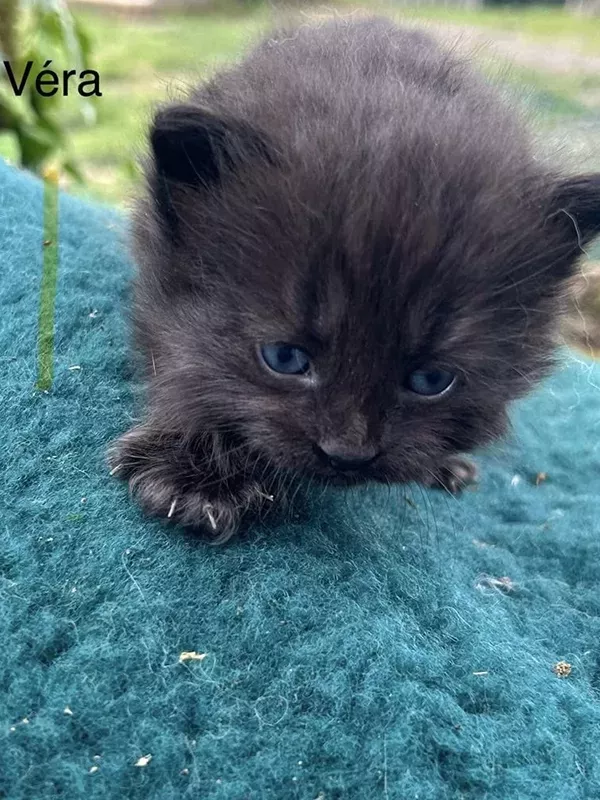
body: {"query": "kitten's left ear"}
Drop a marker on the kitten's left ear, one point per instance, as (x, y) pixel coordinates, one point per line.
(193, 146)
(578, 201)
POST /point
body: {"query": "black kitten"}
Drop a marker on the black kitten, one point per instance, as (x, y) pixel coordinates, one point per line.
(349, 262)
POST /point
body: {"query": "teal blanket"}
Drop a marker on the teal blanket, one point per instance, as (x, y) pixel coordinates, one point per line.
(394, 643)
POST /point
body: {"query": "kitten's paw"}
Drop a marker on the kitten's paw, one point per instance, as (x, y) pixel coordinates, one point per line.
(455, 474)
(168, 482)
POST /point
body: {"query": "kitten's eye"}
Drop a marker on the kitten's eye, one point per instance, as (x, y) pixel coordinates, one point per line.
(285, 358)
(430, 381)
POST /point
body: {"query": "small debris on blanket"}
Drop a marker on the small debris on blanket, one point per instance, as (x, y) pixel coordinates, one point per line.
(481, 544)
(503, 584)
(143, 761)
(515, 480)
(191, 655)
(93, 769)
(483, 672)
(47, 242)
(74, 367)
(562, 669)
(540, 478)
(185, 771)
(67, 712)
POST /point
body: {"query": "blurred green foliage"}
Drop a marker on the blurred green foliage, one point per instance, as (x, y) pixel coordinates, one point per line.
(40, 31)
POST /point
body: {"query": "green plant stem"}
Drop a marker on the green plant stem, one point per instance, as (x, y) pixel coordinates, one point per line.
(48, 286)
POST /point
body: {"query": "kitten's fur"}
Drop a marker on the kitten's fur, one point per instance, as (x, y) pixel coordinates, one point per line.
(353, 189)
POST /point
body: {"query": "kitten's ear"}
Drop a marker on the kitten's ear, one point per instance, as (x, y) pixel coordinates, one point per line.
(194, 147)
(577, 200)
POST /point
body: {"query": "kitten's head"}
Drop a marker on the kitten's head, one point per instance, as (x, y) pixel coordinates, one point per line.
(352, 310)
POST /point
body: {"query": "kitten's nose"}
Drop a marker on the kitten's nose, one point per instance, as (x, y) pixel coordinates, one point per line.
(346, 459)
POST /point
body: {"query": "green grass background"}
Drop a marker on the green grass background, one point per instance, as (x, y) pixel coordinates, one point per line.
(144, 59)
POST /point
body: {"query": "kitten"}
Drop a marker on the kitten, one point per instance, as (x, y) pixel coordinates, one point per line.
(350, 261)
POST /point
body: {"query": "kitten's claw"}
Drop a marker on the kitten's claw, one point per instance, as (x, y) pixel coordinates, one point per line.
(456, 474)
(208, 510)
(168, 483)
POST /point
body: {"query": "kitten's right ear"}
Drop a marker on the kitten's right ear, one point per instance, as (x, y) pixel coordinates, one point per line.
(194, 147)
(578, 201)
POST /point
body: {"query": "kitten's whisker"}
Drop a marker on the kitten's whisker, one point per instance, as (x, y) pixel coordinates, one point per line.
(430, 508)
(299, 486)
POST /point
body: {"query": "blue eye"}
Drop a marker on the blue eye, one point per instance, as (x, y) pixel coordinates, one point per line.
(285, 358)
(430, 382)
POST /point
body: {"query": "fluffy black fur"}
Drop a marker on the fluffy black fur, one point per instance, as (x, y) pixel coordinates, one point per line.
(355, 190)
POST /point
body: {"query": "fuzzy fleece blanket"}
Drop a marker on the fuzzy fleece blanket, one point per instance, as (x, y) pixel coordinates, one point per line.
(392, 643)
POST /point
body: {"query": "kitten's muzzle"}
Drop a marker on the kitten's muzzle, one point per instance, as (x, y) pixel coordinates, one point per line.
(344, 459)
